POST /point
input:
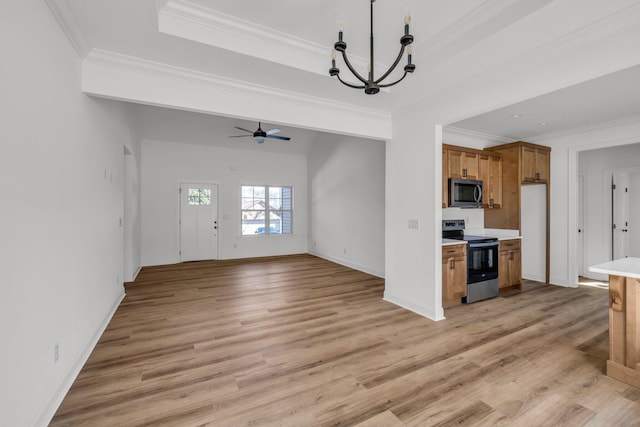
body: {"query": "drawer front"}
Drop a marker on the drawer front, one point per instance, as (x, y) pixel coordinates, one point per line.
(453, 251)
(507, 245)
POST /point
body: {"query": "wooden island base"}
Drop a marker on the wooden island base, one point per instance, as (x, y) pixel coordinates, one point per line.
(624, 329)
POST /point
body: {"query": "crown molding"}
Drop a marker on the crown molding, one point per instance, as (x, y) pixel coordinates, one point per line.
(69, 25)
(475, 26)
(485, 137)
(185, 19)
(587, 129)
(139, 66)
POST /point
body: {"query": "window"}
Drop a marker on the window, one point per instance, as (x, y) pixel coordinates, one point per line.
(266, 210)
(199, 197)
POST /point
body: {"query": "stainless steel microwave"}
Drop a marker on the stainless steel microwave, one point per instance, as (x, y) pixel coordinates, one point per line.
(465, 193)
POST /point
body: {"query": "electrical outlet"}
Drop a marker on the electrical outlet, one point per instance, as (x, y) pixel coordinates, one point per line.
(345, 251)
(56, 353)
(414, 224)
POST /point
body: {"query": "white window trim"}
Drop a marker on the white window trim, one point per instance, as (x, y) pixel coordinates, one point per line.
(267, 211)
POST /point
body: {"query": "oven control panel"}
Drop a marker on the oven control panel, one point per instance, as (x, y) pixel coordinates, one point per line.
(452, 224)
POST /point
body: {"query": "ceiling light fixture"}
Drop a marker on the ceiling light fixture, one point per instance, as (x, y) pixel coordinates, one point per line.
(371, 85)
(516, 116)
(543, 124)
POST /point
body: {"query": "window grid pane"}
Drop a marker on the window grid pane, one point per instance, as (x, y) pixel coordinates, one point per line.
(262, 202)
(199, 196)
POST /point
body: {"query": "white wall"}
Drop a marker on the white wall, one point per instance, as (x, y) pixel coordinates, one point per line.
(597, 166)
(346, 190)
(473, 218)
(61, 178)
(165, 164)
(564, 193)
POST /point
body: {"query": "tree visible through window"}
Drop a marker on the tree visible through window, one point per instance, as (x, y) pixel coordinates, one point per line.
(266, 210)
(199, 196)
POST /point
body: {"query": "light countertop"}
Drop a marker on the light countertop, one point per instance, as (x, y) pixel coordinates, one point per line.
(501, 234)
(451, 242)
(627, 267)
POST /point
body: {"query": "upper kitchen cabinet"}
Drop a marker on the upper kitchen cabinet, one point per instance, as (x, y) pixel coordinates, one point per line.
(522, 163)
(535, 163)
(462, 164)
(468, 163)
(490, 173)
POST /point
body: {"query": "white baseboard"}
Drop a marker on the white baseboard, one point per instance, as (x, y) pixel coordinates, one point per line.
(533, 276)
(49, 410)
(135, 275)
(428, 312)
(563, 283)
(347, 263)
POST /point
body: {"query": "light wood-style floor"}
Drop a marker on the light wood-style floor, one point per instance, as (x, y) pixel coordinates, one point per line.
(300, 341)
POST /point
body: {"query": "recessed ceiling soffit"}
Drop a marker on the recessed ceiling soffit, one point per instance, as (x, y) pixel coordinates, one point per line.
(184, 19)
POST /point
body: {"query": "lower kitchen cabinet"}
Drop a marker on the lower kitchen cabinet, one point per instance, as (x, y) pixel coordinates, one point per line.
(454, 274)
(509, 264)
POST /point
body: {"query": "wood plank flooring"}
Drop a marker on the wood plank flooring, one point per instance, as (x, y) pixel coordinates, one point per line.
(301, 341)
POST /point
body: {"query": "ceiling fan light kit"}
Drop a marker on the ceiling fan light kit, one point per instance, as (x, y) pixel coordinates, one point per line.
(371, 85)
(260, 135)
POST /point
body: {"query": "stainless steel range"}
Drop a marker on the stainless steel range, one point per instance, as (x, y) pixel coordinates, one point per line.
(482, 261)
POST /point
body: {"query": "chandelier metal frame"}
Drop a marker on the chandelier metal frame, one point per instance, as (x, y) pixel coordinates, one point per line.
(371, 85)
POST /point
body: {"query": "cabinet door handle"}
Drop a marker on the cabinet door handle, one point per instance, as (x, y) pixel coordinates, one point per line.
(537, 176)
(464, 173)
(452, 264)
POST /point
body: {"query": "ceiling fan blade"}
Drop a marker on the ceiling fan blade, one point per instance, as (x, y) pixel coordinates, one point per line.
(284, 138)
(250, 131)
(272, 131)
(240, 136)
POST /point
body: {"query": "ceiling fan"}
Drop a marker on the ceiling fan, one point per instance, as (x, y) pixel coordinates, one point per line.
(260, 135)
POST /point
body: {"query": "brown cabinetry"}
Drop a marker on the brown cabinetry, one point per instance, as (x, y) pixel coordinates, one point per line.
(467, 163)
(535, 164)
(462, 164)
(454, 274)
(523, 164)
(509, 264)
(490, 173)
(445, 178)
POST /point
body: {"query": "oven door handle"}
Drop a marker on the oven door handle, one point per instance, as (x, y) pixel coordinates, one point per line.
(483, 245)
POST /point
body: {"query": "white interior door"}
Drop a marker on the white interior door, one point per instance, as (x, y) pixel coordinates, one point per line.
(580, 239)
(198, 221)
(634, 215)
(620, 214)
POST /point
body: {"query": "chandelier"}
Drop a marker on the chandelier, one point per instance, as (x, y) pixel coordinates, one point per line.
(371, 85)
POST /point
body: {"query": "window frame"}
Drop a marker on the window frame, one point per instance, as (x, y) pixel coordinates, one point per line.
(268, 210)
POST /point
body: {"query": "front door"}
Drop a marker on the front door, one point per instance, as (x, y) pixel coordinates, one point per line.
(198, 221)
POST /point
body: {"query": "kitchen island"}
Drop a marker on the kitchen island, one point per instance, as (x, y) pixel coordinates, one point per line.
(624, 318)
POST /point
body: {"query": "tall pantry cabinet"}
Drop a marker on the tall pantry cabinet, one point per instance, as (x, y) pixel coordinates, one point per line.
(523, 164)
